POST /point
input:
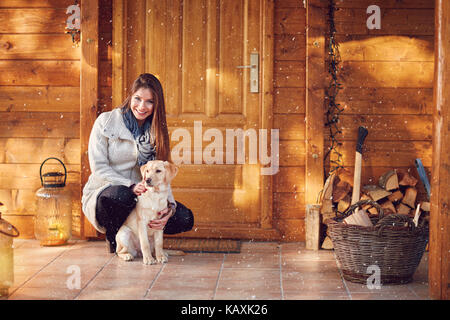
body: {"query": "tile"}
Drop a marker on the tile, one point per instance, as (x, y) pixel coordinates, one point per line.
(190, 283)
(383, 296)
(315, 286)
(247, 292)
(252, 260)
(391, 289)
(248, 284)
(43, 294)
(206, 260)
(309, 266)
(118, 293)
(296, 275)
(301, 295)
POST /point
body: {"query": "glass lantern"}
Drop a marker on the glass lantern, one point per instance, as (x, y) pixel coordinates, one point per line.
(53, 219)
(7, 233)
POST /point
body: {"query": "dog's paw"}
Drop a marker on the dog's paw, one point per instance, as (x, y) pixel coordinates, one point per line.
(126, 256)
(162, 258)
(148, 260)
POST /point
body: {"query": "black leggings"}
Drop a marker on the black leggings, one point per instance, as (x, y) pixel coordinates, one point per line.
(115, 203)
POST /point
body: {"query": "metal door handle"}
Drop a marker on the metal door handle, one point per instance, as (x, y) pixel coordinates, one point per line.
(254, 72)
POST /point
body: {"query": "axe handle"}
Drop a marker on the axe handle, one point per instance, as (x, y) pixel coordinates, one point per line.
(362, 134)
(357, 178)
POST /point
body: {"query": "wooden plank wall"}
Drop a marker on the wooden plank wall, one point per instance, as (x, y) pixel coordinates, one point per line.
(40, 101)
(289, 117)
(387, 77)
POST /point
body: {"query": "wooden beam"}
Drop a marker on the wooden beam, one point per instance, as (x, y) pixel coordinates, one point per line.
(88, 93)
(438, 268)
(315, 92)
(119, 38)
(267, 59)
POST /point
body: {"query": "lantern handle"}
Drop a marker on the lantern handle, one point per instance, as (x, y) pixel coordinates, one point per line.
(65, 170)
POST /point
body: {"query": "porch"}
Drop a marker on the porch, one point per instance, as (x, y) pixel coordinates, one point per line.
(262, 270)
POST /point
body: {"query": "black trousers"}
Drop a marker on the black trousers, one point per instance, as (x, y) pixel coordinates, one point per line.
(115, 203)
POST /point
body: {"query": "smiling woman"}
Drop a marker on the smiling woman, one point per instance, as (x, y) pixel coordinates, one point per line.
(121, 141)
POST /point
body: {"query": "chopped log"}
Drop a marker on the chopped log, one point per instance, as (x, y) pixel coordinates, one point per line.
(340, 190)
(388, 207)
(405, 179)
(410, 197)
(389, 180)
(327, 195)
(402, 208)
(312, 226)
(327, 243)
(375, 192)
(425, 206)
(360, 218)
(344, 204)
(396, 196)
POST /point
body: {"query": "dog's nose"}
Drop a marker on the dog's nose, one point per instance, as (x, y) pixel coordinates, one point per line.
(148, 181)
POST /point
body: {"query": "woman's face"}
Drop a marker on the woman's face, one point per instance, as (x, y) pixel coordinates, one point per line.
(142, 102)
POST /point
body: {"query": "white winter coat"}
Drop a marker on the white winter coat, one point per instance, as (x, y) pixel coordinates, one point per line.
(113, 161)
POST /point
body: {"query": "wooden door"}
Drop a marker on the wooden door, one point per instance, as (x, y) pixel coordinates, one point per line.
(195, 47)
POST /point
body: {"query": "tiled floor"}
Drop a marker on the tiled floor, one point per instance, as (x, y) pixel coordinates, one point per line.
(263, 270)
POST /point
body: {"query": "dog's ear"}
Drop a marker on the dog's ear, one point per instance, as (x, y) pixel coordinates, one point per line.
(171, 170)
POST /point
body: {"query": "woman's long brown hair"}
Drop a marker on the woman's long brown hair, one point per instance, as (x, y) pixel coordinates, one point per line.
(158, 132)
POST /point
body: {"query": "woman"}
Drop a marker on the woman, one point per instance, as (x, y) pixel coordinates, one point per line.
(120, 142)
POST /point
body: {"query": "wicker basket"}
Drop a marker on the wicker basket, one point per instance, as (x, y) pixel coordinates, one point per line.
(394, 244)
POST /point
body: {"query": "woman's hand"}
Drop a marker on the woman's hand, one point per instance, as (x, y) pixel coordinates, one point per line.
(139, 188)
(163, 217)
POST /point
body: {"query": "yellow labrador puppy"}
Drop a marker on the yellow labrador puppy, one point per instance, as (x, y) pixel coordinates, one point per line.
(135, 236)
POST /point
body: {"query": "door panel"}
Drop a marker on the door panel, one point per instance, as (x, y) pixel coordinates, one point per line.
(194, 47)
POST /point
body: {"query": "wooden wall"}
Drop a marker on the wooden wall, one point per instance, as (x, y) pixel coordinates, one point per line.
(40, 101)
(289, 117)
(387, 76)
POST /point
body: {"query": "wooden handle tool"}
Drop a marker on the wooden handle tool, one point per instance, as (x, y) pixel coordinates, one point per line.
(362, 134)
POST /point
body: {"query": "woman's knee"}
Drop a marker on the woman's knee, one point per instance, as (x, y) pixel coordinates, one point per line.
(118, 194)
(187, 216)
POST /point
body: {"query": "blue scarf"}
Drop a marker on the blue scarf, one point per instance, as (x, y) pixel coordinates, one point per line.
(146, 151)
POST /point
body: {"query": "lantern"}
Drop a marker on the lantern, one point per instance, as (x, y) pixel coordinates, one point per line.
(53, 219)
(7, 233)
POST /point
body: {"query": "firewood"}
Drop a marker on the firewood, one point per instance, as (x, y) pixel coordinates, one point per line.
(360, 218)
(340, 190)
(327, 195)
(375, 192)
(388, 207)
(405, 179)
(425, 206)
(410, 197)
(389, 180)
(327, 243)
(344, 204)
(402, 208)
(365, 197)
(395, 196)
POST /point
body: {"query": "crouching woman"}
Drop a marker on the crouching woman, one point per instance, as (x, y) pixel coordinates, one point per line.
(121, 141)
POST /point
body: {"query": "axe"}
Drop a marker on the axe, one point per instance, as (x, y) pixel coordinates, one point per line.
(362, 134)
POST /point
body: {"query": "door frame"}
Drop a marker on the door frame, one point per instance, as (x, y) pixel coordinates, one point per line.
(122, 32)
